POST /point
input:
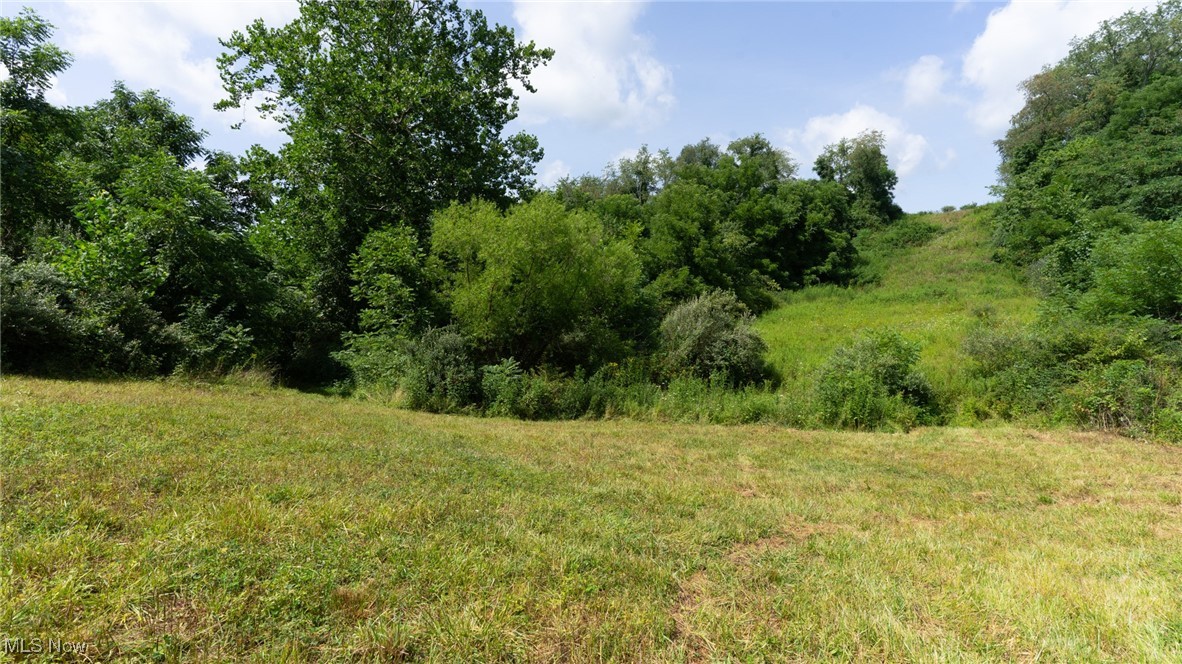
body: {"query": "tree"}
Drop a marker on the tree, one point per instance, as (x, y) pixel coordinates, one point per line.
(127, 126)
(393, 109)
(861, 165)
(34, 190)
(540, 283)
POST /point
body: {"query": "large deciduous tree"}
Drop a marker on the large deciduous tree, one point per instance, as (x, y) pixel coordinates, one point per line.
(861, 165)
(394, 110)
(33, 191)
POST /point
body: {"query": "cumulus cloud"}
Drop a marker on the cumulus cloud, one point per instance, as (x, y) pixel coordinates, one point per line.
(905, 150)
(552, 172)
(55, 94)
(923, 84)
(151, 45)
(1018, 41)
(603, 72)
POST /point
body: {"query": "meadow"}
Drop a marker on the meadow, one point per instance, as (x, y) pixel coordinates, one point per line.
(167, 521)
(930, 276)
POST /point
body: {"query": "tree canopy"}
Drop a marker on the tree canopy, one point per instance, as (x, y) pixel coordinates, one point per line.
(393, 110)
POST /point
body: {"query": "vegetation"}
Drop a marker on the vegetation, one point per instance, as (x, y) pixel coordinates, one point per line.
(331, 529)
(397, 249)
(176, 501)
(1092, 209)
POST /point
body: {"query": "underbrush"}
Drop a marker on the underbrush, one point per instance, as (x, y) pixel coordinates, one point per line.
(1123, 376)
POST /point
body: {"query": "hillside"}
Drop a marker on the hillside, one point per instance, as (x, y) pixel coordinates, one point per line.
(154, 519)
(933, 278)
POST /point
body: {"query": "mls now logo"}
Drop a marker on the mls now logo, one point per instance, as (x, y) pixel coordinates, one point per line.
(38, 646)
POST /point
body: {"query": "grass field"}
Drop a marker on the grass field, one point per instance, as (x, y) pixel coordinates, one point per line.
(931, 292)
(167, 521)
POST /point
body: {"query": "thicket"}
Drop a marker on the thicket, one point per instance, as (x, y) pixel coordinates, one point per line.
(397, 243)
(1092, 209)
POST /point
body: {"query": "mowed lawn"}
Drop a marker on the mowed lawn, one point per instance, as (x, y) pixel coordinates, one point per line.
(153, 519)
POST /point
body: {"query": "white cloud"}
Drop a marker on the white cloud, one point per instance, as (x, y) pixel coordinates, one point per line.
(1018, 41)
(905, 150)
(151, 45)
(603, 73)
(55, 94)
(924, 82)
(552, 172)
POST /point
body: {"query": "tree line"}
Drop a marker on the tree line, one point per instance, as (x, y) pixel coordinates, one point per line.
(398, 237)
(1091, 211)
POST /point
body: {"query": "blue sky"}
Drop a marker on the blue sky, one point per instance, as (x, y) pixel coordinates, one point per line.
(938, 78)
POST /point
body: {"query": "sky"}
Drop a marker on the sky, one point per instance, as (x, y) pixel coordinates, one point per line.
(939, 79)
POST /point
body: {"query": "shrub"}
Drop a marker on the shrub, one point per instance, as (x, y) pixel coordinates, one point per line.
(389, 279)
(375, 361)
(440, 374)
(540, 283)
(503, 386)
(948, 208)
(1139, 274)
(710, 335)
(1124, 395)
(873, 382)
(38, 327)
(211, 344)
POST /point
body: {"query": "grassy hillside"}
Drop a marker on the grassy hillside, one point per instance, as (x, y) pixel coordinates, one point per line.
(163, 520)
(934, 277)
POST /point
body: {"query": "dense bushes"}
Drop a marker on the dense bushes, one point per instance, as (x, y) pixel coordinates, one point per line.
(873, 382)
(710, 336)
(1122, 375)
(540, 283)
(1092, 186)
(439, 373)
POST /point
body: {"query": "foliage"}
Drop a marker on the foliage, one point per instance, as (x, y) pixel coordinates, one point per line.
(38, 324)
(736, 220)
(389, 279)
(710, 335)
(860, 164)
(439, 372)
(1091, 178)
(540, 283)
(1113, 374)
(873, 382)
(1138, 274)
(34, 190)
(394, 110)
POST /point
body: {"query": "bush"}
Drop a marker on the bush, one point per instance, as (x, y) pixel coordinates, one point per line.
(38, 327)
(1139, 274)
(440, 374)
(539, 283)
(873, 382)
(503, 386)
(1124, 396)
(710, 336)
(375, 361)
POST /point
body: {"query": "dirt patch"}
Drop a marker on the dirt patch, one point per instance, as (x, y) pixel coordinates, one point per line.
(744, 554)
(793, 532)
(355, 602)
(179, 616)
(802, 530)
(690, 595)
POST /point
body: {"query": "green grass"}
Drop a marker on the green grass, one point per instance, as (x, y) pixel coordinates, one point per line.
(156, 520)
(931, 292)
